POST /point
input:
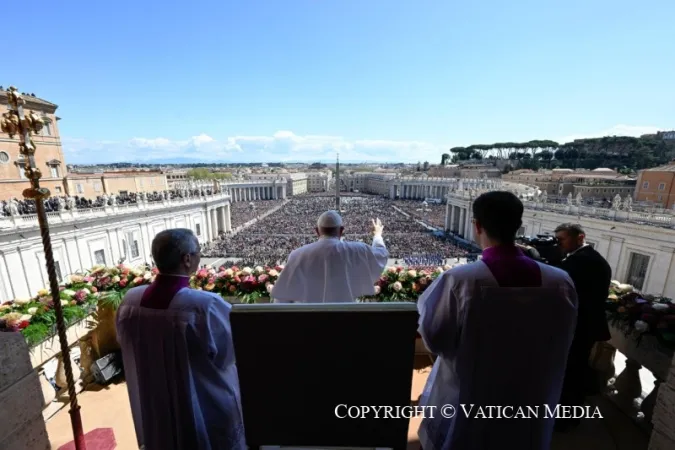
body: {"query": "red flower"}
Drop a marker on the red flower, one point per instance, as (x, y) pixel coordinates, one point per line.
(123, 282)
(23, 324)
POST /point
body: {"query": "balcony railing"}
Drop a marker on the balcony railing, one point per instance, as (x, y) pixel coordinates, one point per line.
(665, 219)
(74, 215)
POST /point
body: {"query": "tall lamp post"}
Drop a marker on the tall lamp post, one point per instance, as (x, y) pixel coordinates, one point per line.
(17, 122)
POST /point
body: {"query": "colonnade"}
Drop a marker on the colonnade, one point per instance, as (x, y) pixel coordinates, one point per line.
(250, 193)
(431, 187)
(218, 220)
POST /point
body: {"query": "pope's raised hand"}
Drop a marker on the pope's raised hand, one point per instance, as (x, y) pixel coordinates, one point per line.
(377, 227)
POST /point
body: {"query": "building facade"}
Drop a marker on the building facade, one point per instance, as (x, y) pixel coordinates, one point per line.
(639, 254)
(296, 183)
(318, 181)
(106, 235)
(657, 186)
(48, 158)
(598, 184)
(90, 185)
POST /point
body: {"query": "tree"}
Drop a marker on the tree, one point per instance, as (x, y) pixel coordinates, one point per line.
(445, 157)
(205, 174)
(425, 167)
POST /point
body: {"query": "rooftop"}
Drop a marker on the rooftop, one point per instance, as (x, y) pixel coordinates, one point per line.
(32, 102)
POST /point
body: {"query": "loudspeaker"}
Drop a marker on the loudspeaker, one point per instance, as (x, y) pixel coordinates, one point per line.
(107, 368)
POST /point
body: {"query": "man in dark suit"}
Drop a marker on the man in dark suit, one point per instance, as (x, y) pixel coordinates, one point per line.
(592, 276)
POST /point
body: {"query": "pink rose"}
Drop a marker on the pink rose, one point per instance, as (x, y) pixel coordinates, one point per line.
(262, 278)
(232, 288)
(123, 282)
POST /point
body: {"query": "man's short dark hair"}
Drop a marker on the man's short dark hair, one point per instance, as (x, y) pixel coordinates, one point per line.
(500, 214)
(169, 247)
(573, 229)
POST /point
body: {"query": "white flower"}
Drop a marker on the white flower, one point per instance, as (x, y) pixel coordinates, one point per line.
(269, 287)
(641, 326)
(660, 307)
(397, 286)
(391, 269)
(115, 279)
(69, 293)
(259, 269)
(273, 273)
(377, 290)
(137, 272)
(247, 270)
(147, 275)
(32, 310)
(209, 267)
(22, 301)
(25, 317)
(65, 303)
(5, 307)
(412, 273)
(439, 270)
(229, 272)
(447, 267)
(86, 291)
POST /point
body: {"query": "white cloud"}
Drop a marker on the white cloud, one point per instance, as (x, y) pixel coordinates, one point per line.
(282, 146)
(279, 147)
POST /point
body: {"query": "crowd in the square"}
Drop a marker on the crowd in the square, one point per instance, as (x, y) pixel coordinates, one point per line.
(430, 213)
(244, 212)
(271, 239)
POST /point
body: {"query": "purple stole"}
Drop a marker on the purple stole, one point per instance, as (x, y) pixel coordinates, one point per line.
(160, 293)
(511, 268)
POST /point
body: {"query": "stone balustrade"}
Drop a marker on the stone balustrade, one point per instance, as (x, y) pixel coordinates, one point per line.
(655, 411)
(76, 215)
(662, 219)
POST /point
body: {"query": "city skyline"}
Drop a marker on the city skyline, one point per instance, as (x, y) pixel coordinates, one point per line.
(301, 81)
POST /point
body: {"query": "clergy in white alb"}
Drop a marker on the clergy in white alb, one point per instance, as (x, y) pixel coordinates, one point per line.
(178, 356)
(501, 328)
(331, 270)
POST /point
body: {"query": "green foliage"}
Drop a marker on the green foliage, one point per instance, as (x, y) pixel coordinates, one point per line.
(206, 174)
(625, 152)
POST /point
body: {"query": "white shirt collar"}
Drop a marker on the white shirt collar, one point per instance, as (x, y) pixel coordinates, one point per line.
(572, 253)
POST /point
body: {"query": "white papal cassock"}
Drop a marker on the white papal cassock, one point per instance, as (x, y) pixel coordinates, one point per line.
(180, 371)
(331, 271)
(497, 347)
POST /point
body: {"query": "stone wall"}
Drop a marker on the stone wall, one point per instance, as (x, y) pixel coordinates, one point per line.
(22, 426)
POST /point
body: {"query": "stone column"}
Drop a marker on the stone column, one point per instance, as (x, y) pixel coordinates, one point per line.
(23, 426)
(214, 223)
(228, 218)
(222, 219)
(448, 218)
(452, 218)
(461, 221)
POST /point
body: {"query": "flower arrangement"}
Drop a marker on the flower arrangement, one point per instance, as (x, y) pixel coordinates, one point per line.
(79, 295)
(404, 284)
(248, 284)
(639, 314)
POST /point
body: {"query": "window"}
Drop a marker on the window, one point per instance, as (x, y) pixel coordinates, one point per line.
(22, 172)
(4, 157)
(645, 185)
(78, 188)
(54, 170)
(637, 270)
(662, 186)
(47, 129)
(132, 243)
(57, 267)
(198, 229)
(97, 187)
(58, 189)
(99, 257)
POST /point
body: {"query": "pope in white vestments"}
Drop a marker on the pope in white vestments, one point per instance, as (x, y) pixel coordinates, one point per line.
(178, 356)
(331, 270)
(501, 328)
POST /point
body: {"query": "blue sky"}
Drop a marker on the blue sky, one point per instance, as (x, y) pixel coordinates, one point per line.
(376, 80)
